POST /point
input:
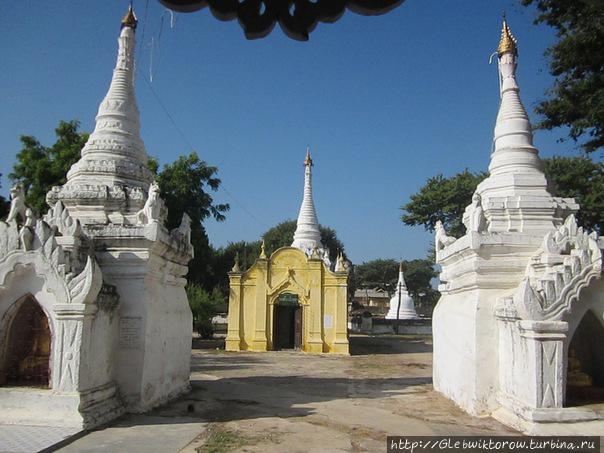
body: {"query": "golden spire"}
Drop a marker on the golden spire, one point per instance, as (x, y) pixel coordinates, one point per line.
(308, 160)
(129, 19)
(507, 43)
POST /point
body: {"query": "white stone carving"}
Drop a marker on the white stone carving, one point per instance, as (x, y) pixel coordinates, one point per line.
(58, 216)
(154, 207)
(441, 240)
(566, 262)
(18, 208)
(473, 218)
(183, 232)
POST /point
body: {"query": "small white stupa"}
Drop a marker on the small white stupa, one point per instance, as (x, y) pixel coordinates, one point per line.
(407, 307)
(308, 236)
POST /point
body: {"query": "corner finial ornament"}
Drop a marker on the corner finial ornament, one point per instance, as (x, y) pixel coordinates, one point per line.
(236, 267)
(130, 20)
(507, 43)
(262, 251)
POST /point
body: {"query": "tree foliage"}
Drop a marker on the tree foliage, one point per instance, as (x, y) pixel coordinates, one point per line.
(185, 186)
(39, 167)
(204, 305)
(582, 179)
(576, 60)
(442, 199)
(445, 199)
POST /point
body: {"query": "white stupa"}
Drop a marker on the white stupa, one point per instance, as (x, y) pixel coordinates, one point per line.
(407, 307)
(308, 236)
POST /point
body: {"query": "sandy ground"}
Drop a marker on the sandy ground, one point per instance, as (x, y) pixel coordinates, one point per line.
(296, 402)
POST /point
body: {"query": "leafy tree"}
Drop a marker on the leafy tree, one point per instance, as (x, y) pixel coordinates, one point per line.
(582, 179)
(576, 60)
(39, 167)
(379, 273)
(446, 198)
(282, 235)
(224, 258)
(419, 274)
(184, 187)
(442, 199)
(204, 305)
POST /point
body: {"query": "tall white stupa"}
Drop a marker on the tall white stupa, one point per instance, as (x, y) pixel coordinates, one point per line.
(110, 181)
(407, 307)
(308, 236)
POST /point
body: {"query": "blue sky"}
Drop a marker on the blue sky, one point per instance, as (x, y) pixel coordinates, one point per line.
(384, 103)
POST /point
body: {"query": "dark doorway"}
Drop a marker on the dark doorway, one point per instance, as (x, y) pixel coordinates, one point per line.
(287, 328)
(585, 371)
(27, 353)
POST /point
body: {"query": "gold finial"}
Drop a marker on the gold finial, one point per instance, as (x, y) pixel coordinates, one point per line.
(507, 43)
(262, 251)
(308, 160)
(400, 266)
(130, 19)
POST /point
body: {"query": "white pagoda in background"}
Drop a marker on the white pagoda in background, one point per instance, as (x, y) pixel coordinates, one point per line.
(307, 236)
(401, 304)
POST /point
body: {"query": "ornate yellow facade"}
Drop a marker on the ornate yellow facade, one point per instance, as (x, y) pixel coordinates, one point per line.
(288, 301)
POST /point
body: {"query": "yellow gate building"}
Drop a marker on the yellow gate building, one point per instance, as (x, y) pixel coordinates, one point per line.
(291, 300)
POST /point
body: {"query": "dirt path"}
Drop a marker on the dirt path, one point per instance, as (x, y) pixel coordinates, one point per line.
(296, 402)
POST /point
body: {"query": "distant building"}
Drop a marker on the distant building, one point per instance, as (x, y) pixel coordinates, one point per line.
(291, 300)
(376, 301)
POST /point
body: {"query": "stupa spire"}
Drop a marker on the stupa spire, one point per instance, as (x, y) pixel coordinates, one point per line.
(114, 160)
(130, 19)
(515, 197)
(401, 304)
(508, 42)
(307, 235)
(514, 150)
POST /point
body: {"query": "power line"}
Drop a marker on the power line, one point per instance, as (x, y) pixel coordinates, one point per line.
(191, 147)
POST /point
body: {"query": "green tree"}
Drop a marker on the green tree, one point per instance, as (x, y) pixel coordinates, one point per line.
(282, 235)
(446, 198)
(39, 167)
(185, 186)
(224, 258)
(378, 273)
(442, 199)
(576, 60)
(582, 179)
(204, 305)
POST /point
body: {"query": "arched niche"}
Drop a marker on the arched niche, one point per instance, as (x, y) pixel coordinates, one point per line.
(26, 345)
(585, 362)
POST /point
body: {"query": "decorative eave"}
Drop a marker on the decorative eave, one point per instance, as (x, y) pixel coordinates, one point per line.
(296, 23)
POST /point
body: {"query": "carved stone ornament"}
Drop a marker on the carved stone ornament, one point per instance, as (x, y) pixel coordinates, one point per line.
(297, 18)
(441, 239)
(568, 261)
(17, 205)
(154, 209)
